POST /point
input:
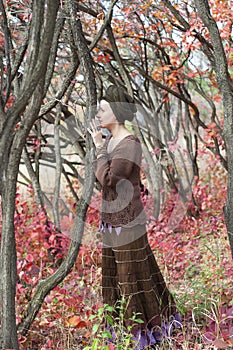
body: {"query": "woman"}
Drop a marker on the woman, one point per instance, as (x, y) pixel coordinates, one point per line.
(129, 268)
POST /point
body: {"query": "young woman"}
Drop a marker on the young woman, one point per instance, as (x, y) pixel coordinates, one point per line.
(129, 268)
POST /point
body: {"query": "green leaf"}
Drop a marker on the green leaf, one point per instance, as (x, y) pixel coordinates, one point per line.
(100, 312)
(109, 319)
(127, 342)
(106, 334)
(95, 328)
(95, 344)
(138, 320)
(109, 308)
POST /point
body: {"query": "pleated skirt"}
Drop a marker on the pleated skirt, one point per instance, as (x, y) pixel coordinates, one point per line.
(130, 272)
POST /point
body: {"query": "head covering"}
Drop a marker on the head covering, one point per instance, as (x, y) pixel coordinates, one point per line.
(121, 103)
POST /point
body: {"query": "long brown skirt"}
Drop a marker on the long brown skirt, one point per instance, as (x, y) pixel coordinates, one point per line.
(131, 271)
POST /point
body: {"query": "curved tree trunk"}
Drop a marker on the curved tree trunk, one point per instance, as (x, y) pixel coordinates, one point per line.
(11, 145)
(45, 286)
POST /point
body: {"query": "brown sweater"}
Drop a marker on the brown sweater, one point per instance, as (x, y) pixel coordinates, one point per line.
(119, 175)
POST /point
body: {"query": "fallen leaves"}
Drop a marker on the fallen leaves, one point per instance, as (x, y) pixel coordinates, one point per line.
(76, 322)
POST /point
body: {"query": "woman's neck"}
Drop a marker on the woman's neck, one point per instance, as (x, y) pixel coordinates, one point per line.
(118, 131)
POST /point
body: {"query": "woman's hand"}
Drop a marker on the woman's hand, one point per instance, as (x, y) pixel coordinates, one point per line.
(96, 134)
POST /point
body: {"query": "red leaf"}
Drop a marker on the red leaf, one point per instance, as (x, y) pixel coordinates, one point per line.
(81, 324)
(28, 266)
(220, 344)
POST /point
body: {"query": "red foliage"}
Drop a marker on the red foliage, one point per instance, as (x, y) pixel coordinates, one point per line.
(39, 249)
(68, 307)
(219, 328)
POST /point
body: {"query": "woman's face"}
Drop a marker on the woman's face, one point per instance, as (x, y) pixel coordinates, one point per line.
(105, 115)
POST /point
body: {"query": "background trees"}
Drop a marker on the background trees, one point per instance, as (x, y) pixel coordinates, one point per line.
(174, 57)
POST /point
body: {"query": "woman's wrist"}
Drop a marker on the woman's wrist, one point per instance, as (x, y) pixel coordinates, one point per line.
(101, 151)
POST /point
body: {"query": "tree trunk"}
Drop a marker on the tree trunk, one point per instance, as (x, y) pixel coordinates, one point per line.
(58, 170)
(11, 145)
(45, 286)
(8, 260)
(226, 88)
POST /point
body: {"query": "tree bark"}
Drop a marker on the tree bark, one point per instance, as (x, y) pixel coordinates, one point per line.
(8, 251)
(11, 146)
(226, 88)
(58, 170)
(34, 180)
(49, 283)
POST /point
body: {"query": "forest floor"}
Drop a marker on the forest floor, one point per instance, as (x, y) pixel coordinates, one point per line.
(194, 257)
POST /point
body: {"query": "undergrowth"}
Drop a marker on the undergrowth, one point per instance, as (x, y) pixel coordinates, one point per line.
(194, 258)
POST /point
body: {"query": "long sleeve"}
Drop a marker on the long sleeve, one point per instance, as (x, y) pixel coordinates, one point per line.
(127, 155)
(119, 176)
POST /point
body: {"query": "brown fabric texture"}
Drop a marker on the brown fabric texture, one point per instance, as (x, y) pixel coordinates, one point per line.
(119, 176)
(129, 267)
(132, 271)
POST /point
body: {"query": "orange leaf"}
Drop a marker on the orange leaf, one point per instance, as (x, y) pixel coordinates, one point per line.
(76, 322)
